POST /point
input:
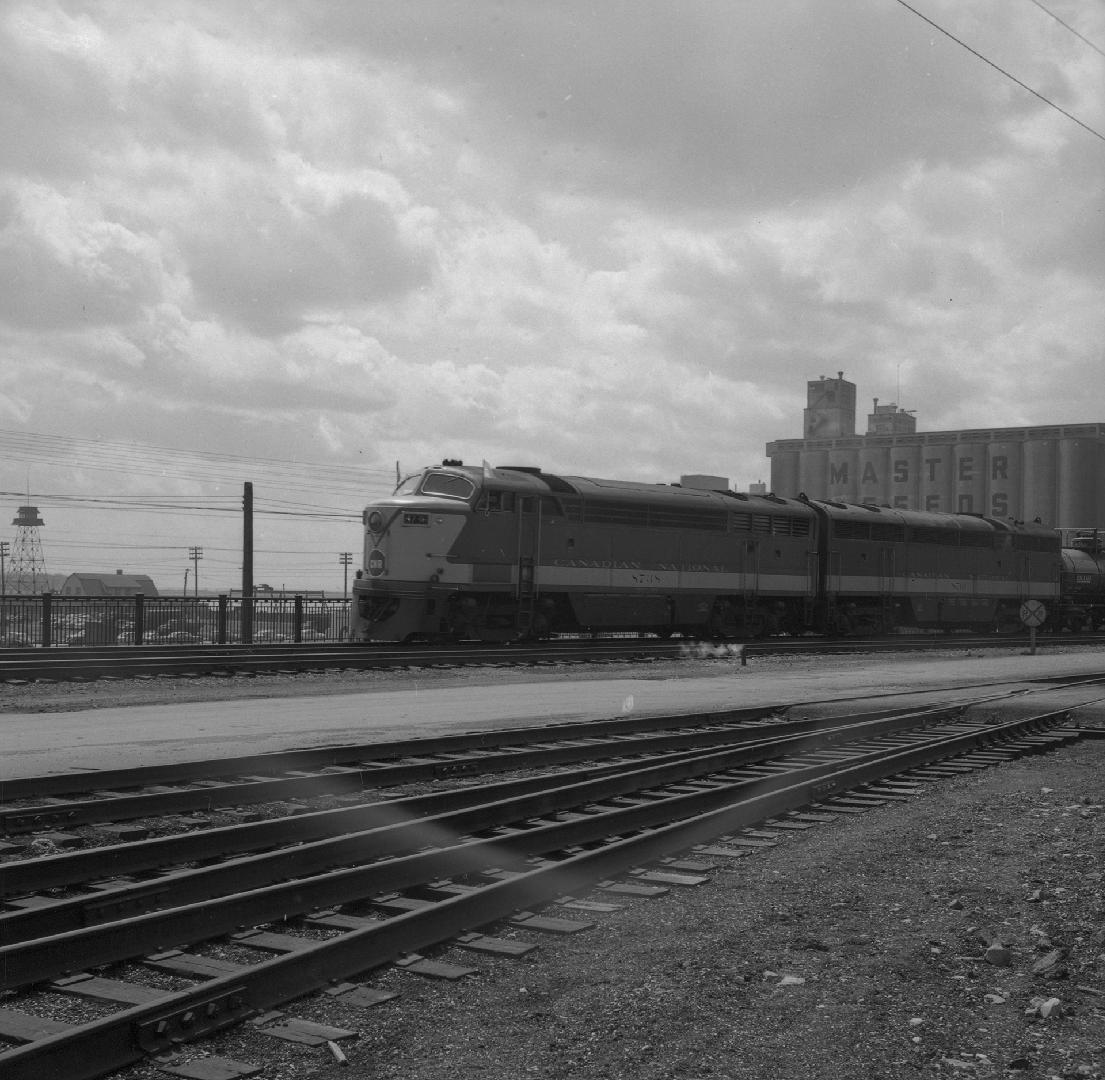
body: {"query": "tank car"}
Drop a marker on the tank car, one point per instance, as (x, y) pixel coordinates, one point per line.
(886, 570)
(1083, 583)
(465, 553)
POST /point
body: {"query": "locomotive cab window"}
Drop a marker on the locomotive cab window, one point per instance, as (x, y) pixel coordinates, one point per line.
(448, 485)
(497, 502)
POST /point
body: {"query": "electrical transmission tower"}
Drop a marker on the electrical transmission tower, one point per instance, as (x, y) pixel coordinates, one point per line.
(28, 569)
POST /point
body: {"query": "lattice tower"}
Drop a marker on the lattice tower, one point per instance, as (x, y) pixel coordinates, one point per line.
(28, 566)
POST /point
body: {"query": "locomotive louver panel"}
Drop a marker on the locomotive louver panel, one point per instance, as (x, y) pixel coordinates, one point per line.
(896, 533)
(769, 525)
(865, 530)
(1036, 543)
(655, 517)
(924, 535)
(977, 539)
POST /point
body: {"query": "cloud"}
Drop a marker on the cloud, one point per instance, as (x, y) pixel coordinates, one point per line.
(275, 265)
(608, 239)
(66, 265)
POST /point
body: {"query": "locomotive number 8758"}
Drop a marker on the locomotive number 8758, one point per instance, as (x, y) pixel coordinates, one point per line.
(497, 554)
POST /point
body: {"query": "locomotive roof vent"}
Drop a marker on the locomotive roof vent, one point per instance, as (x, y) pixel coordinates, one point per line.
(521, 468)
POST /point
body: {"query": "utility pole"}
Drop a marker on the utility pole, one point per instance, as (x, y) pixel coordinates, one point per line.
(195, 554)
(247, 564)
(5, 550)
(345, 558)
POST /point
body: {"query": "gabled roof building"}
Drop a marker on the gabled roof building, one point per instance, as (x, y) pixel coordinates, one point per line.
(117, 584)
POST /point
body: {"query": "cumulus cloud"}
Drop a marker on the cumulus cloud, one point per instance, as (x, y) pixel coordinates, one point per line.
(609, 239)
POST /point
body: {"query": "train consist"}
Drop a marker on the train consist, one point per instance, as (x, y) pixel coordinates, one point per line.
(498, 554)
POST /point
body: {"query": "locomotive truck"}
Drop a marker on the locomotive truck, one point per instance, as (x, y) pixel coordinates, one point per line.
(498, 554)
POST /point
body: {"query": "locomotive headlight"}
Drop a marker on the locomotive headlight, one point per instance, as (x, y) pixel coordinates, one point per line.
(375, 522)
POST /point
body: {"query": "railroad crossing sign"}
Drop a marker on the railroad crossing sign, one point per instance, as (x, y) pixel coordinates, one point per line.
(1033, 613)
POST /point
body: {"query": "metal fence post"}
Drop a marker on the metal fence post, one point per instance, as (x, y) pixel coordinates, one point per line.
(139, 617)
(297, 620)
(220, 630)
(47, 613)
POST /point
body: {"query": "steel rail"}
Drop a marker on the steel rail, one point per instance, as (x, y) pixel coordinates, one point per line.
(91, 662)
(381, 829)
(55, 784)
(42, 958)
(24, 876)
(93, 1049)
(83, 662)
(417, 761)
(60, 784)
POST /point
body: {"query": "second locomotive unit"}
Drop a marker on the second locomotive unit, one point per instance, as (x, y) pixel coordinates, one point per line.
(471, 553)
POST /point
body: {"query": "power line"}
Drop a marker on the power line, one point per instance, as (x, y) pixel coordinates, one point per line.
(1013, 78)
(1067, 26)
(188, 465)
(152, 504)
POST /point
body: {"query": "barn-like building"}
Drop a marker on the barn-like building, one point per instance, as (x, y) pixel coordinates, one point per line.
(117, 584)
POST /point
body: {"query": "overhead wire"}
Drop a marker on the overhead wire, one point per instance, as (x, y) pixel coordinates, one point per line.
(996, 67)
(343, 490)
(1067, 26)
(191, 466)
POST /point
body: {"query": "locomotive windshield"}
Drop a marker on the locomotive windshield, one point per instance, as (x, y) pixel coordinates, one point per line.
(448, 485)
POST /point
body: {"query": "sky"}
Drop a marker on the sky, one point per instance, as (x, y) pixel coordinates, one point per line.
(303, 244)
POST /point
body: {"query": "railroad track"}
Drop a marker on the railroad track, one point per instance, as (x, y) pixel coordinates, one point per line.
(328, 896)
(150, 661)
(119, 661)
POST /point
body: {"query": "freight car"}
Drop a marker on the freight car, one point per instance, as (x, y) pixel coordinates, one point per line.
(463, 553)
(1082, 583)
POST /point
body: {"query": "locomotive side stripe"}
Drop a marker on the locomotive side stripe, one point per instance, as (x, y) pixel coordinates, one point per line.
(908, 586)
(571, 578)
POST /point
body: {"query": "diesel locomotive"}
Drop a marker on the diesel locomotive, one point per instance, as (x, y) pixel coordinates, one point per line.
(498, 554)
